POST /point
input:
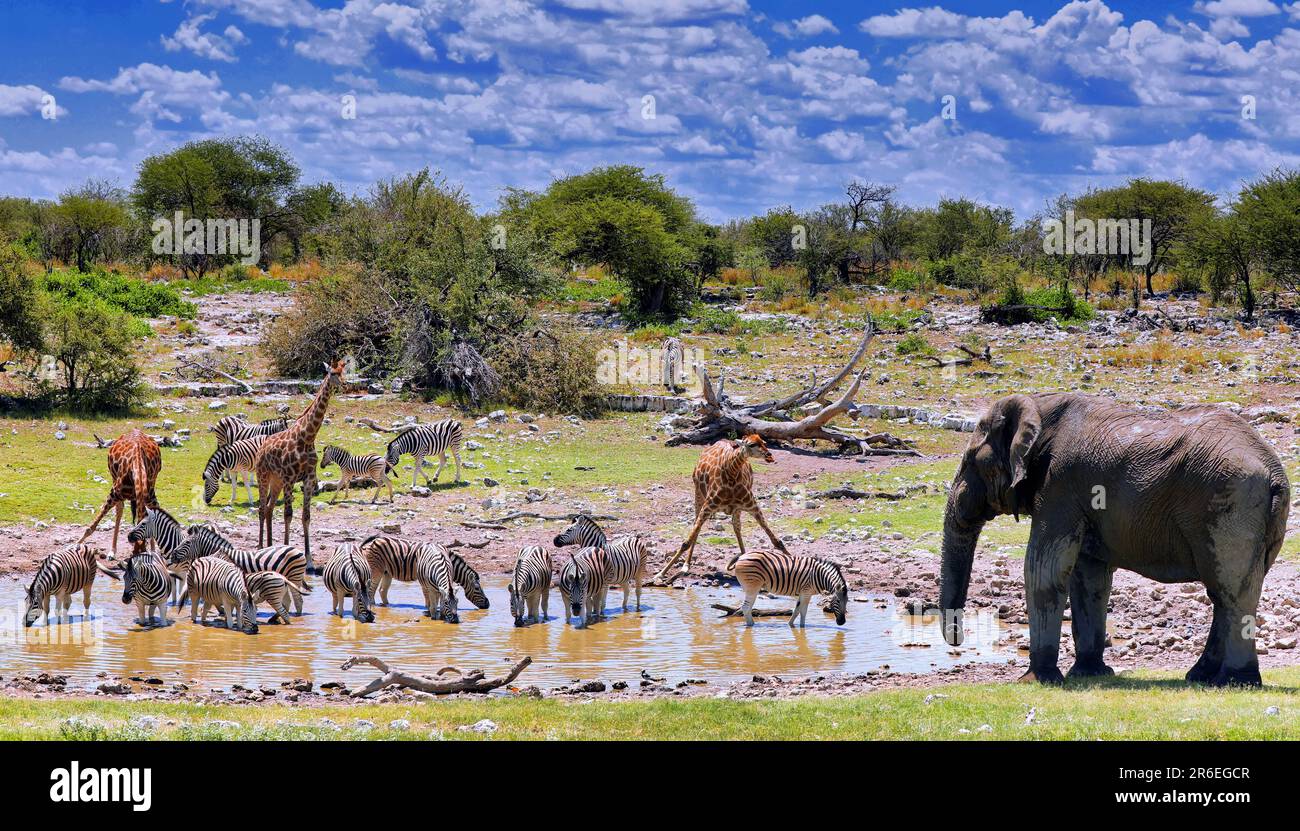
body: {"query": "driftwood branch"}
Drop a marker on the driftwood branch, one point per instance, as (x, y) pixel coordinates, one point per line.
(370, 422)
(471, 682)
(556, 517)
(211, 369)
(732, 611)
(718, 417)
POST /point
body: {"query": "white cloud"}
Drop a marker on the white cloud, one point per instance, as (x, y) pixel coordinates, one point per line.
(23, 100)
(805, 27)
(1237, 8)
(189, 36)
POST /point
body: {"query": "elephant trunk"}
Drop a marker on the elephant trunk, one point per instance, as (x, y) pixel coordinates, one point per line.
(959, 541)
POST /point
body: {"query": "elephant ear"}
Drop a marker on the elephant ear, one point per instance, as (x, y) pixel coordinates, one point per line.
(1023, 414)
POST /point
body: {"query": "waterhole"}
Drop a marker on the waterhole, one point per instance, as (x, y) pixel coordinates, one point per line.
(676, 637)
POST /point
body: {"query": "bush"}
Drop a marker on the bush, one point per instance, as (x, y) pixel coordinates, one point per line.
(342, 314)
(128, 294)
(716, 321)
(777, 285)
(914, 343)
(93, 345)
(550, 371)
(909, 279)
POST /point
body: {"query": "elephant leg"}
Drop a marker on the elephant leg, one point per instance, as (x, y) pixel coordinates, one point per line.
(1089, 594)
(1053, 550)
(1207, 667)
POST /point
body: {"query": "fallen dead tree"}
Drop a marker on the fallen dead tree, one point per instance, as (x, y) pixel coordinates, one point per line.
(971, 357)
(206, 367)
(471, 682)
(719, 417)
(732, 611)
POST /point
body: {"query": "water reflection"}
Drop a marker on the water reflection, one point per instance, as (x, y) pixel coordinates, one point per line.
(676, 636)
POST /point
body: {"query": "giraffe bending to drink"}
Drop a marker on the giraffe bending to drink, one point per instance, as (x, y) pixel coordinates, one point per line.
(134, 461)
(289, 457)
(724, 484)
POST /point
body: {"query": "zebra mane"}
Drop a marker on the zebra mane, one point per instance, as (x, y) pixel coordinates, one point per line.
(164, 514)
(212, 535)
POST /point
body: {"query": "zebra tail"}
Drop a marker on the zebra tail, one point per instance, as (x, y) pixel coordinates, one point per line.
(732, 563)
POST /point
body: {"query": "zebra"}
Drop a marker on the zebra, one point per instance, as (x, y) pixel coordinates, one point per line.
(670, 360)
(582, 585)
(394, 558)
(791, 576)
(233, 428)
(59, 575)
(351, 467)
(347, 574)
(433, 571)
(463, 575)
(147, 582)
(271, 588)
(627, 554)
(427, 440)
(202, 541)
(530, 585)
(218, 583)
(235, 459)
(163, 529)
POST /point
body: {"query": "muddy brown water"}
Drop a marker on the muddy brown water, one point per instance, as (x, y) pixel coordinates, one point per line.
(676, 637)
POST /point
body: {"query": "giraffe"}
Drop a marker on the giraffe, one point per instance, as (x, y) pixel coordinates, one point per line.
(134, 461)
(724, 483)
(289, 457)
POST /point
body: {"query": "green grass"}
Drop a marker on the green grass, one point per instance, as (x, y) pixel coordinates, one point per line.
(1147, 705)
(209, 284)
(57, 477)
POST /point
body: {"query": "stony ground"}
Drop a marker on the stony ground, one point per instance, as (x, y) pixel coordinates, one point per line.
(1173, 352)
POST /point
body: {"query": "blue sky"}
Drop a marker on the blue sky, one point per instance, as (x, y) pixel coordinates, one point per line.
(755, 103)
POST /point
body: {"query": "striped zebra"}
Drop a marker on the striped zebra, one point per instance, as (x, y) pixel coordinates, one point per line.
(628, 555)
(163, 529)
(347, 574)
(394, 558)
(271, 588)
(582, 585)
(433, 572)
(218, 584)
(427, 440)
(790, 576)
(60, 575)
(231, 460)
(671, 359)
(233, 428)
(352, 467)
(203, 541)
(147, 582)
(530, 585)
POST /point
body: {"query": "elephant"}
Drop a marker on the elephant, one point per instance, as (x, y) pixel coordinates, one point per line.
(1190, 494)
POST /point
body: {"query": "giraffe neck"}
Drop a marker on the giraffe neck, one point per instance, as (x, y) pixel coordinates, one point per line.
(310, 421)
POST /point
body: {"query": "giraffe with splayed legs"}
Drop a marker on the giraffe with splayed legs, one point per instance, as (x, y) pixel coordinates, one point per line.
(134, 461)
(724, 484)
(288, 458)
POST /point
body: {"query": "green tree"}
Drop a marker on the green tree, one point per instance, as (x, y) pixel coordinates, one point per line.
(1269, 210)
(773, 233)
(94, 346)
(625, 219)
(88, 223)
(20, 302)
(1172, 208)
(245, 177)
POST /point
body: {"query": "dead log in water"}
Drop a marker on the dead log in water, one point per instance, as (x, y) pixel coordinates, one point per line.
(471, 682)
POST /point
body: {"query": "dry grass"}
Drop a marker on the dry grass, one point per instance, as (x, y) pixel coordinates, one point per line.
(1162, 352)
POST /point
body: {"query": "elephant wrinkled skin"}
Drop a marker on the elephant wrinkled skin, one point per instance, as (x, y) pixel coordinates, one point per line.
(1193, 494)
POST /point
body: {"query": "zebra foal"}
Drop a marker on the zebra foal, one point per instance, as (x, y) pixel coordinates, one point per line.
(352, 467)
